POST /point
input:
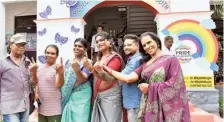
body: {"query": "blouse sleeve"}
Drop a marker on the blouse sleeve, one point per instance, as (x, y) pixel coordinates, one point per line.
(115, 64)
(138, 70)
(86, 71)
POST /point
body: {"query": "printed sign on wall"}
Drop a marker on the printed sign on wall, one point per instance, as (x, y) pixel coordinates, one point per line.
(78, 9)
(197, 50)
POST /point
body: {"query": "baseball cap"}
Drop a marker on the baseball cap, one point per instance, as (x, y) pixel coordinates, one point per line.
(18, 38)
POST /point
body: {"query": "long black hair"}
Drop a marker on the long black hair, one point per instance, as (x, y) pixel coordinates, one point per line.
(105, 35)
(147, 57)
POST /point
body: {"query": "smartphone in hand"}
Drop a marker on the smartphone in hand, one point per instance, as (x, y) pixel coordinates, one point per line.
(39, 101)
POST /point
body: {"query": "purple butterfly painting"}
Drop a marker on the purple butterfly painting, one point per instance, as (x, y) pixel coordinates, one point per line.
(60, 39)
(45, 13)
(68, 2)
(42, 59)
(42, 32)
(74, 29)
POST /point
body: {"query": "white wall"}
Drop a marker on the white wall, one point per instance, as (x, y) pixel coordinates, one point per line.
(18, 9)
(189, 5)
(2, 30)
(30, 8)
(63, 28)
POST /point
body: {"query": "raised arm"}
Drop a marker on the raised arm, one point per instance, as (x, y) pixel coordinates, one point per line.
(114, 64)
(60, 75)
(88, 65)
(33, 69)
(81, 76)
(132, 77)
(98, 71)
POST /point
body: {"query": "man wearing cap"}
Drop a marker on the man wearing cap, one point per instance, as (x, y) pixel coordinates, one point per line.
(15, 82)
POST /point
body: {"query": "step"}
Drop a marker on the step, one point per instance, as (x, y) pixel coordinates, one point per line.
(201, 117)
(191, 107)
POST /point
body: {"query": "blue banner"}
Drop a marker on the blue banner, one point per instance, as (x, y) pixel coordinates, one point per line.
(80, 8)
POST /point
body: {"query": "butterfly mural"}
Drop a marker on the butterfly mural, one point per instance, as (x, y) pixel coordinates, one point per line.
(42, 59)
(42, 32)
(60, 39)
(69, 2)
(45, 13)
(74, 29)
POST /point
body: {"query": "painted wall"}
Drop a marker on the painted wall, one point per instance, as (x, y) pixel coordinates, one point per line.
(191, 35)
(195, 45)
(46, 9)
(54, 26)
(62, 35)
(189, 5)
(30, 8)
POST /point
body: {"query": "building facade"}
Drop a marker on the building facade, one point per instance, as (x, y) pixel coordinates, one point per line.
(60, 22)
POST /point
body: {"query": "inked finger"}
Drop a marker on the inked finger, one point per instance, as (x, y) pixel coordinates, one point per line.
(32, 59)
(61, 60)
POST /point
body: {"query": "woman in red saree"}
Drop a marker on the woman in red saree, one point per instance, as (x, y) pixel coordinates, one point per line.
(164, 96)
(107, 90)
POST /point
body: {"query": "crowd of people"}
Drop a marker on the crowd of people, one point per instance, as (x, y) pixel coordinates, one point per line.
(105, 88)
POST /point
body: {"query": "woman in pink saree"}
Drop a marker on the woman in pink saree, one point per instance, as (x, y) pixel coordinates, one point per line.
(164, 96)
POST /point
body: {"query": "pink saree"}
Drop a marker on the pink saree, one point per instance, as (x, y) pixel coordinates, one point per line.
(166, 100)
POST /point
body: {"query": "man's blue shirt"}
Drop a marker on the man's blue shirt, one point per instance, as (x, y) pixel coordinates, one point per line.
(131, 93)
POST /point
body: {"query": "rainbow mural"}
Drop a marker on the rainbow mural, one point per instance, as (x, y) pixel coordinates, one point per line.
(204, 39)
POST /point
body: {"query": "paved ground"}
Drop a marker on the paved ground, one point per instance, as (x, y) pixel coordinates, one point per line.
(197, 115)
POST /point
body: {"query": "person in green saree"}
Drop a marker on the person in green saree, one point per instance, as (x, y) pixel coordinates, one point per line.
(76, 91)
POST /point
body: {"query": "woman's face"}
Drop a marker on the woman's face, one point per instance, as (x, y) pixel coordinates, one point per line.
(51, 55)
(102, 44)
(79, 49)
(149, 45)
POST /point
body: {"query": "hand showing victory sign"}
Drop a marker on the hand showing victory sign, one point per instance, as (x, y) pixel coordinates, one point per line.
(60, 68)
(33, 66)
